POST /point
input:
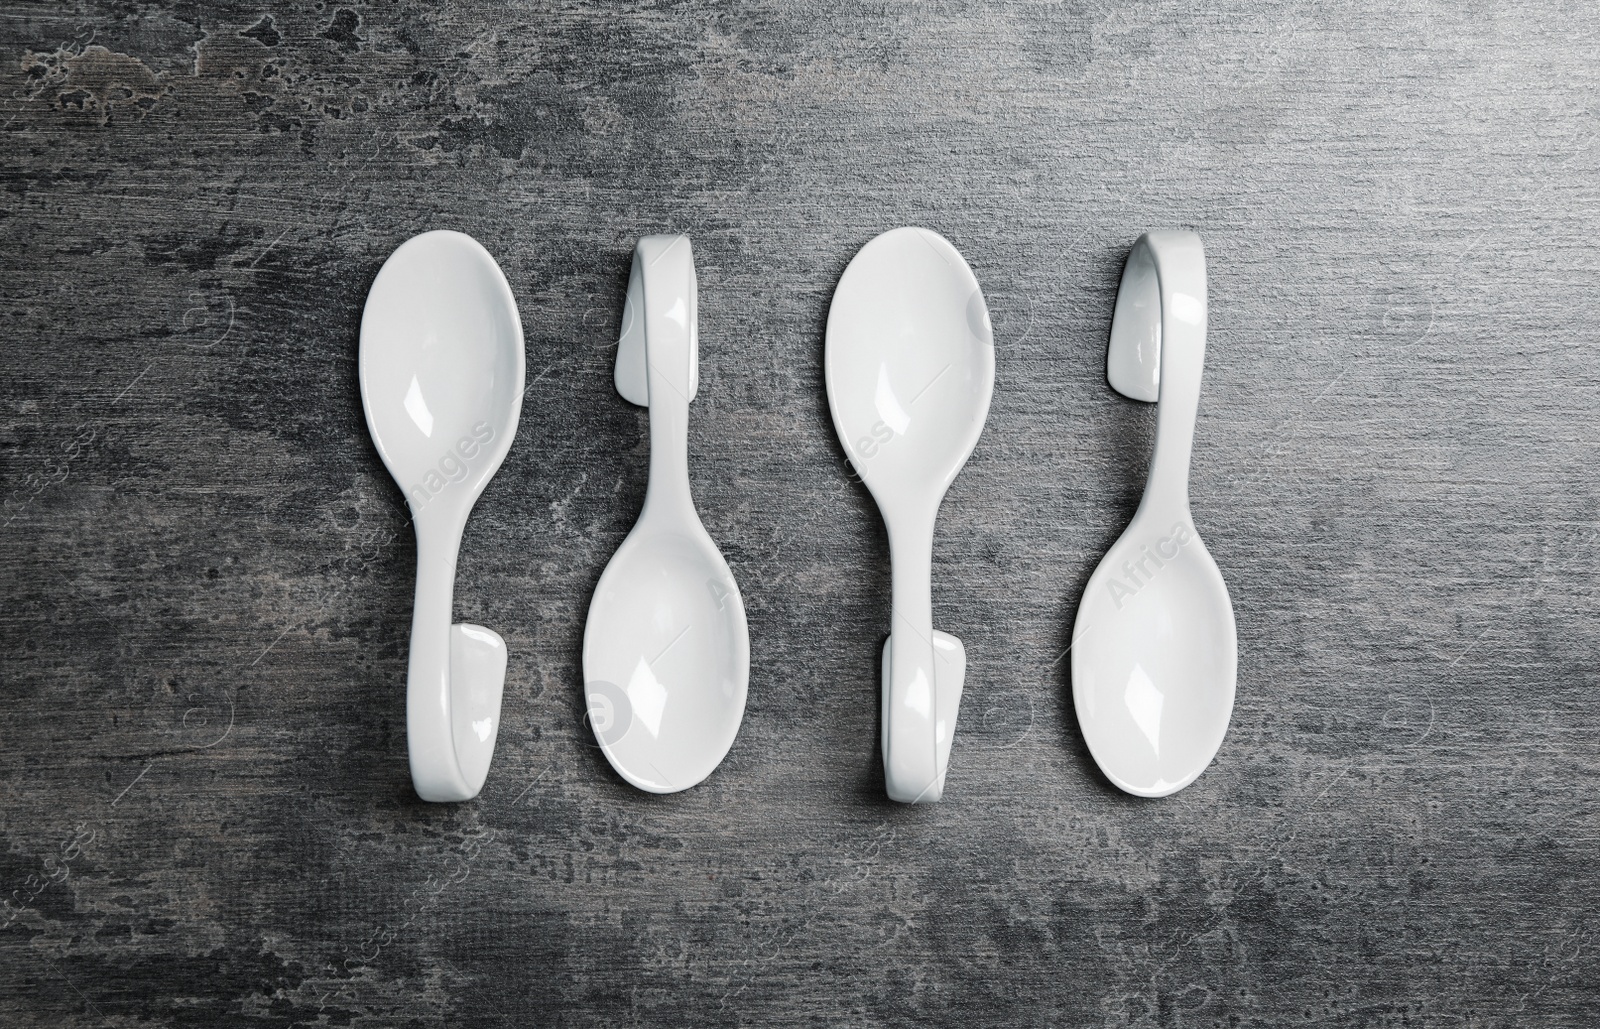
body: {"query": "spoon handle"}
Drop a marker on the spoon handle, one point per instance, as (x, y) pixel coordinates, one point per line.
(1168, 307)
(911, 765)
(663, 268)
(455, 677)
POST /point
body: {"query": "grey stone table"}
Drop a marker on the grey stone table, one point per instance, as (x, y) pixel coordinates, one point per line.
(206, 571)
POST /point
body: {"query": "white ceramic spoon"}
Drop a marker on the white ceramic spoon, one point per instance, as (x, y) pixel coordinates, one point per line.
(910, 370)
(441, 382)
(666, 652)
(1154, 648)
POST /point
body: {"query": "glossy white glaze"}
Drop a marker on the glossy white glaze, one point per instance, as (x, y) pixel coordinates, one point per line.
(1155, 651)
(910, 371)
(441, 370)
(666, 652)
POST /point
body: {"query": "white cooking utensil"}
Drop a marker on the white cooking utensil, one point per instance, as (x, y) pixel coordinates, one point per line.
(441, 371)
(1155, 650)
(666, 652)
(910, 370)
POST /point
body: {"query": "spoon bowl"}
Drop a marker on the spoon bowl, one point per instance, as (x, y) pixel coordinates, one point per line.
(441, 363)
(667, 696)
(1154, 664)
(910, 366)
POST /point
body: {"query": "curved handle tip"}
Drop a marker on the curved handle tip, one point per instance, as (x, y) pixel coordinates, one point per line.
(908, 780)
(447, 768)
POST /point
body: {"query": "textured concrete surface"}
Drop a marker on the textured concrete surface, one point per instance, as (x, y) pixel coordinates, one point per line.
(207, 572)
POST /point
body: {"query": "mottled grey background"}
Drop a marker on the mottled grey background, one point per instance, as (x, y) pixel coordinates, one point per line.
(207, 816)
